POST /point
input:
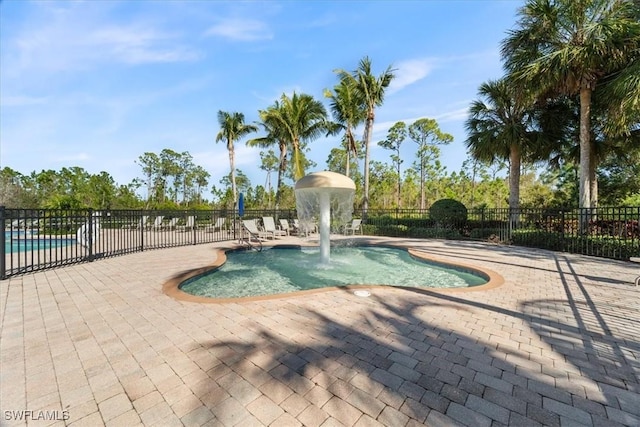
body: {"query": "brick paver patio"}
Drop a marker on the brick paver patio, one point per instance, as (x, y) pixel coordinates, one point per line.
(99, 344)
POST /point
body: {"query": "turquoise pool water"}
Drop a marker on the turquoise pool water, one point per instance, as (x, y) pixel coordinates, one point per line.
(282, 270)
(21, 242)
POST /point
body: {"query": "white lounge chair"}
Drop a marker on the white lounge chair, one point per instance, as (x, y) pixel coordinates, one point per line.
(189, 224)
(284, 226)
(141, 223)
(356, 225)
(172, 224)
(252, 228)
(157, 223)
(270, 227)
(305, 228)
(220, 225)
(16, 224)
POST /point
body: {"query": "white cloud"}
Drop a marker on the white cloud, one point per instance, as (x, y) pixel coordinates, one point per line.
(453, 115)
(241, 30)
(138, 45)
(21, 101)
(73, 40)
(409, 72)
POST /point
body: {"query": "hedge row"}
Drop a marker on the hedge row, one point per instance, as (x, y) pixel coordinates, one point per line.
(604, 246)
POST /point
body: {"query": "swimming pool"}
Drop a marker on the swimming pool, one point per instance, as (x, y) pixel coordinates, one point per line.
(19, 241)
(283, 270)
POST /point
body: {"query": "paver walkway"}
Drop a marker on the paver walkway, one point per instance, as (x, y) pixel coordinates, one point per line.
(100, 344)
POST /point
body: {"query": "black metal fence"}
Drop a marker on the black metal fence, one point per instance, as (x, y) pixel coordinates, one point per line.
(611, 232)
(37, 239)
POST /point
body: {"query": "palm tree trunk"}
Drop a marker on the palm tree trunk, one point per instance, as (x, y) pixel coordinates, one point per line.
(514, 183)
(514, 177)
(585, 147)
(346, 167)
(585, 158)
(593, 177)
(298, 170)
(232, 164)
(367, 136)
(281, 169)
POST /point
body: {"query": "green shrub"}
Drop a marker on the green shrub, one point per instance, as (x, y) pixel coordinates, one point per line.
(448, 212)
(606, 246)
(538, 239)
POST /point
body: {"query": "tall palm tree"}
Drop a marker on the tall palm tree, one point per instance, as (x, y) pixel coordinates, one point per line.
(290, 123)
(568, 47)
(232, 128)
(347, 114)
(274, 137)
(298, 119)
(369, 90)
(500, 127)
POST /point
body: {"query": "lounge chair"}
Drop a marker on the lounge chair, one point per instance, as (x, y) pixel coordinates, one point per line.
(189, 225)
(157, 223)
(306, 228)
(172, 224)
(284, 226)
(270, 227)
(218, 225)
(16, 224)
(356, 225)
(252, 228)
(34, 224)
(141, 223)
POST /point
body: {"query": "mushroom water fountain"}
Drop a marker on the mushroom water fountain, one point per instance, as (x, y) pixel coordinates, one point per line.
(326, 197)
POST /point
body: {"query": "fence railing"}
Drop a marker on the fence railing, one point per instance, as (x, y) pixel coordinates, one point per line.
(37, 239)
(611, 232)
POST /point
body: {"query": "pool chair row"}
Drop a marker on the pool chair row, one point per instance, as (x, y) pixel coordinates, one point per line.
(266, 230)
(175, 223)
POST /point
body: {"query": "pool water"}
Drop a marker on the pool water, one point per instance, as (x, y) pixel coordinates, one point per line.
(282, 270)
(21, 242)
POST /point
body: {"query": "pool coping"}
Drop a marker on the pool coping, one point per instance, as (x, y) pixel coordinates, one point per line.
(172, 289)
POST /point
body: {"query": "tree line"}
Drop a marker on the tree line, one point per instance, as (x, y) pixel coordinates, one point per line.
(568, 106)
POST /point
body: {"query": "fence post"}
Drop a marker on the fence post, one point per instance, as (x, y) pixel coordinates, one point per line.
(195, 221)
(142, 226)
(3, 267)
(90, 233)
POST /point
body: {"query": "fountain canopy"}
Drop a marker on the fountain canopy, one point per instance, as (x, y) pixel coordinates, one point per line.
(325, 179)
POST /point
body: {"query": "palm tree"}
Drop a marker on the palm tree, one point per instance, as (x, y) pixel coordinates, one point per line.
(274, 137)
(348, 115)
(232, 128)
(621, 93)
(296, 121)
(301, 119)
(568, 47)
(290, 123)
(502, 128)
(369, 91)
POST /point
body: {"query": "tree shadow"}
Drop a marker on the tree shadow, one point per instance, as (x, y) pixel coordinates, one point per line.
(393, 361)
(517, 263)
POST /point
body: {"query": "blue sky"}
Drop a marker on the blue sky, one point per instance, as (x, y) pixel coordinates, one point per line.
(96, 84)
